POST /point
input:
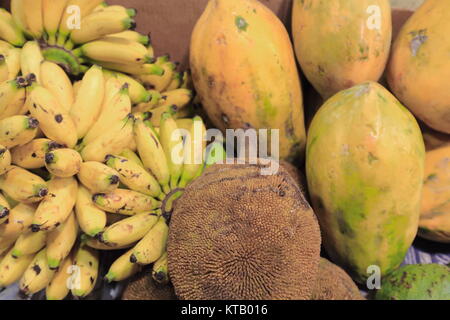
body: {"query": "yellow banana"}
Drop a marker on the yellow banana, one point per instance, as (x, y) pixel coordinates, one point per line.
(4, 209)
(55, 80)
(88, 103)
(134, 176)
(22, 185)
(86, 266)
(177, 81)
(122, 268)
(118, 8)
(150, 248)
(132, 36)
(9, 31)
(152, 153)
(138, 94)
(156, 82)
(75, 10)
(4, 72)
(5, 46)
(31, 59)
(114, 110)
(91, 219)
(96, 244)
(76, 87)
(5, 159)
(178, 97)
(102, 23)
(132, 156)
(117, 50)
(194, 151)
(112, 87)
(57, 206)
(11, 269)
(37, 275)
(63, 163)
(129, 230)
(151, 104)
(58, 288)
(19, 220)
(133, 69)
(18, 14)
(112, 141)
(32, 154)
(6, 245)
(29, 243)
(52, 11)
(17, 130)
(33, 18)
(156, 113)
(151, 50)
(13, 61)
(215, 153)
(172, 142)
(12, 203)
(101, 6)
(160, 270)
(54, 120)
(185, 124)
(187, 81)
(60, 241)
(124, 201)
(97, 177)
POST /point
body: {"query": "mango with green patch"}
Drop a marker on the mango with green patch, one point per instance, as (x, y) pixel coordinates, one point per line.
(365, 168)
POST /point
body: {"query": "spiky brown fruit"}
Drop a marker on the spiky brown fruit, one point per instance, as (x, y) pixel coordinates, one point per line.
(333, 283)
(238, 234)
(143, 287)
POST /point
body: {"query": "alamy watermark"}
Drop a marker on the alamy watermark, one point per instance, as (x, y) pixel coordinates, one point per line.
(250, 146)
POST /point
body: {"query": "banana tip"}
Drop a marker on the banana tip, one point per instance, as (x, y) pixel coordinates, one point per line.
(4, 212)
(35, 228)
(49, 158)
(43, 192)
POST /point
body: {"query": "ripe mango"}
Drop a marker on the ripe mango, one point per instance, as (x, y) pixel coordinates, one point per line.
(244, 71)
(341, 43)
(365, 166)
(419, 68)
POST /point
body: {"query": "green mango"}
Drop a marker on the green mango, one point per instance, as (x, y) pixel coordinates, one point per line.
(416, 282)
(365, 169)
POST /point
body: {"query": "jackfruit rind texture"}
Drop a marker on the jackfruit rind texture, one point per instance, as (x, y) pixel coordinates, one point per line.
(238, 234)
(143, 287)
(333, 283)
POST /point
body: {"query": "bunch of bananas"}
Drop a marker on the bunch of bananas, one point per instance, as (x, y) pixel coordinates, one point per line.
(92, 164)
(78, 33)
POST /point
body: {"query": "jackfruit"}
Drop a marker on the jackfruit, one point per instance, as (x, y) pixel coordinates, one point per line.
(239, 234)
(333, 283)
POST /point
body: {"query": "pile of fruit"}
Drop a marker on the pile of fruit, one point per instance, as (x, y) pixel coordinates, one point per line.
(87, 165)
(370, 181)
